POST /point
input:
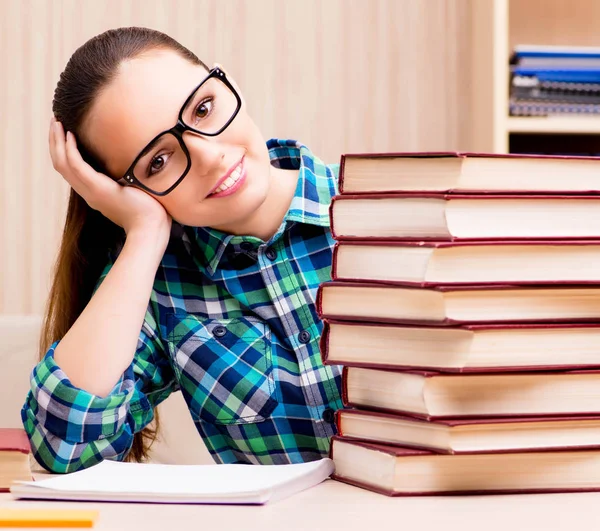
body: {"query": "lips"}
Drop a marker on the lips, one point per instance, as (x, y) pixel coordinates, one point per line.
(231, 177)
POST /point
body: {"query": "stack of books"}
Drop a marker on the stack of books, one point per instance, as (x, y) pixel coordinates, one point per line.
(465, 308)
(549, 80)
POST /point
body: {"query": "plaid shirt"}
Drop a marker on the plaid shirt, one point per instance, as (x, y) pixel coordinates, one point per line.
(232, 324)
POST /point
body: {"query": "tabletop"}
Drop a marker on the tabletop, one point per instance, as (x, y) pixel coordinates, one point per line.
(335, 505)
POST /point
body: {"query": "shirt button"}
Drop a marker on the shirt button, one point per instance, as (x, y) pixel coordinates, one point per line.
(304, 336)
(219, 331)
(271, 254)
(329, 415)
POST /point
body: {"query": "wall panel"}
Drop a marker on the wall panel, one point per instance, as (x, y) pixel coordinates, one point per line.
(339, 75)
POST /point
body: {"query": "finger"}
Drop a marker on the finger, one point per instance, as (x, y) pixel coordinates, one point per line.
(84, 172)
(51, 142)
(58, 155)
(60, 160)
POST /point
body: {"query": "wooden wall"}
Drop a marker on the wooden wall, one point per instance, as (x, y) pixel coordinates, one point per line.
(338, 75)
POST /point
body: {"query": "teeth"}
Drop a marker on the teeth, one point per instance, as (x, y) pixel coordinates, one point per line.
(230, 181)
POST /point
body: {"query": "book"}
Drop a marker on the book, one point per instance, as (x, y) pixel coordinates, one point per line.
(549, 54)
(485, 435)
(554, 50)
(433, 395)
(531, 89)
(398, 471)
(429, 263)
(196, 484)
(561, 73)
(467, 348)
(14, 457)
(449, 305)
(542, 108)
(467, 172)
(464, 217)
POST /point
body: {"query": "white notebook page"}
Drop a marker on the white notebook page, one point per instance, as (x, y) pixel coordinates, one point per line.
(117, 477)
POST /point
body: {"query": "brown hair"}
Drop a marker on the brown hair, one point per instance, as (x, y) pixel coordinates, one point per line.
(88, 236)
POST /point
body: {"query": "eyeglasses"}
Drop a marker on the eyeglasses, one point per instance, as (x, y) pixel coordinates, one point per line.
(165, 161)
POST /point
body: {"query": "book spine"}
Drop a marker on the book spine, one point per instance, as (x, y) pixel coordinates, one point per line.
(538, 108)
(537, 95)
(341, 174)
(345, 386)
(319, 300)
(338, 421)
(332, 218)
(324, 342)
(334, 261)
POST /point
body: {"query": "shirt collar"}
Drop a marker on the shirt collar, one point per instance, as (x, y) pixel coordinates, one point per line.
(317, 184)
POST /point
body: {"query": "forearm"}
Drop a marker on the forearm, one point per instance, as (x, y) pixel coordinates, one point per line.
(102, 342)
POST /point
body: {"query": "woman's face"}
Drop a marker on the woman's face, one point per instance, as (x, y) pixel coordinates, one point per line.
(143, 100)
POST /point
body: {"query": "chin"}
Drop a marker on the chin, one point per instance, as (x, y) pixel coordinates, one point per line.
(238, 207)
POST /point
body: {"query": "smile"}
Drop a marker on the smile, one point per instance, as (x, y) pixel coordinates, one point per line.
(231, 182)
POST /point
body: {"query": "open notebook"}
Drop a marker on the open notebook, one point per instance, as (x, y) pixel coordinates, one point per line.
(136, 482)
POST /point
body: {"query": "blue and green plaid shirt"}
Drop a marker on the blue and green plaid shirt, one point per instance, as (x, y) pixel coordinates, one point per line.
(232, 324)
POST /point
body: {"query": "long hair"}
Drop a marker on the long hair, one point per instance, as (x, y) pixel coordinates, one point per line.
(88, 236)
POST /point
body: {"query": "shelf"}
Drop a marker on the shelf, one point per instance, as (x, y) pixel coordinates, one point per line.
(554, 124)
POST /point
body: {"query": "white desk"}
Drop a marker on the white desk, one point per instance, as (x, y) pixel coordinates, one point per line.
(334, 505)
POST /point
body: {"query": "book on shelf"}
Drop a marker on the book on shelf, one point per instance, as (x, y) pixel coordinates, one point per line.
(531, 89)
(429, 263)
(444, 172)
(199, 484)
(434, 395)
(559, 74)
(554, 52)
(398, 471)
(414, 216)
(14, 457)
(542, 108)
(467, 348)
(450, 305)
(466, 436)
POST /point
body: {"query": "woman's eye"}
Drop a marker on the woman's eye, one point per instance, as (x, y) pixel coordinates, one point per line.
(204, 108)
(156, 165)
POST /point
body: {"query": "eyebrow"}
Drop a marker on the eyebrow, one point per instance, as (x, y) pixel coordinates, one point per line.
(149, 146)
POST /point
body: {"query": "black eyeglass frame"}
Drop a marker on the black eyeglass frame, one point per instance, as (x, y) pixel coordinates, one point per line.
(177, 131)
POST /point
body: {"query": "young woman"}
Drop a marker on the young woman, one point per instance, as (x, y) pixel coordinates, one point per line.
(190, 260)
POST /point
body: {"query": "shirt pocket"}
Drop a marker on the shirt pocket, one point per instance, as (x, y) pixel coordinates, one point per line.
(224, 367)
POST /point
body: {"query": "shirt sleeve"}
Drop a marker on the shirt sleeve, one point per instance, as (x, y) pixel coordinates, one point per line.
(70, 429)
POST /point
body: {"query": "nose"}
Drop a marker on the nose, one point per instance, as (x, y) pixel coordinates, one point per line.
(206, 153)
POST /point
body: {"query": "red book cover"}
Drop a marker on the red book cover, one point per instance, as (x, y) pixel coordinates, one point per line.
(462, 243)
(441, 288)
(399, 452)
(324, 346)
(447, 197)
(466, 422)
(432, 374)
(462, 155)
(14, 440)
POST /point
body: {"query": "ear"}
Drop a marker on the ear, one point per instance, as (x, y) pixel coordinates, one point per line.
(232, 81)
